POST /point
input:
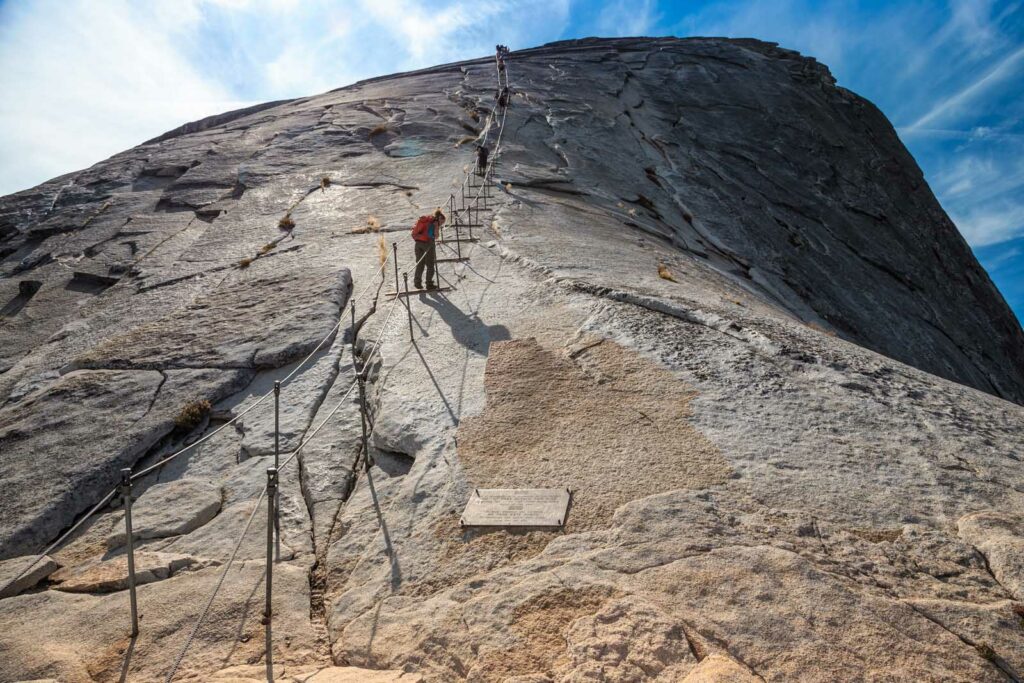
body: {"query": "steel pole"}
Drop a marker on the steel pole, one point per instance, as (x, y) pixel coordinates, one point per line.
(458, 242)
(267, 610)
(394, 249)
(277, 456)
(126, 495)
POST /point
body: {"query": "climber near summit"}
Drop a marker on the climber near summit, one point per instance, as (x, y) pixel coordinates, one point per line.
(424, 233)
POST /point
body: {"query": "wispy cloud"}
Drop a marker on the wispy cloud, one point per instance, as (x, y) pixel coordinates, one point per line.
(82, 80)
(1008, 67)
(625, 18)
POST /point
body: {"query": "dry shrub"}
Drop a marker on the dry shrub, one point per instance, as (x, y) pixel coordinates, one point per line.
(462, 141)
(1018, 609)
(508, 187)
(192, 413)
(665, 274)
(267, 248)
(372, 225)
(382, 250)
(632, 211)
(286, 223)
(378, 130)
(245, 263)
(688, 217)
(325, 182)
(408, 193)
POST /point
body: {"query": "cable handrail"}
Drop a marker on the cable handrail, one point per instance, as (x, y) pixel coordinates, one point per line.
(359, 375)
(241, 538)
(74, 527)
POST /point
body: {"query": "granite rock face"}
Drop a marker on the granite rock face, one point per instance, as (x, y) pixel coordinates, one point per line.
(711, 294)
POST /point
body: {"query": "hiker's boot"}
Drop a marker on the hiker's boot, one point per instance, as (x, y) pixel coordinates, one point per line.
(431, 285)
(417, 285)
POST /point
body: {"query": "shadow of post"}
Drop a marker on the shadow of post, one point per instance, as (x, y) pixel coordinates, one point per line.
(468, 330)
(396, 569)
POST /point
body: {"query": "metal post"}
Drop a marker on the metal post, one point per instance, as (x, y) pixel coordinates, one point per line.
(394, 249)
(458, 243)
(408, 304)
(471, 222)
(352, 340)
(126, 496)
(277, 456)
(364, 418)
(268, 611)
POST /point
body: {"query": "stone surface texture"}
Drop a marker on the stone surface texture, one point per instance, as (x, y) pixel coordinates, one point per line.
(712, 295)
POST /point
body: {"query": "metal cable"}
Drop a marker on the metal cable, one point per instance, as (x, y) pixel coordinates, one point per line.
(74, 527)
(248, 524)
(269, 393)
(220, 582)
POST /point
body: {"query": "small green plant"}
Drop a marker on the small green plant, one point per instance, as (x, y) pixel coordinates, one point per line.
(286, 223)
(245, 263)
(192, 413)
(378, 130)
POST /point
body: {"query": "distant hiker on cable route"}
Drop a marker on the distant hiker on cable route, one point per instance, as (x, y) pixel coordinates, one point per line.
(502, 97)
(481, 160)
(424, 233)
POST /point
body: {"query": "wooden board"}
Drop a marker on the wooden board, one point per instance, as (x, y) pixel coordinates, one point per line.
(392, 295)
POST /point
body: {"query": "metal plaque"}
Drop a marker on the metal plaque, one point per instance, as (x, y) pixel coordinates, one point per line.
(516, 507)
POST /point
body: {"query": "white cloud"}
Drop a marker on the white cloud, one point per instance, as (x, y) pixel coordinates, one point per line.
(627, 18)
(82, 81)
(955, 105)
(985, 224)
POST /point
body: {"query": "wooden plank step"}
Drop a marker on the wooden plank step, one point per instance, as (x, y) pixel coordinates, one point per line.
(392, 295)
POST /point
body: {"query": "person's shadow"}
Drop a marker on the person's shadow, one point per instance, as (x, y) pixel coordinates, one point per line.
(468, 330)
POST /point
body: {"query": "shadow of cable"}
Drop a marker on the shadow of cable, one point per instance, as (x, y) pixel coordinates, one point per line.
(440, 392)
(396, 570)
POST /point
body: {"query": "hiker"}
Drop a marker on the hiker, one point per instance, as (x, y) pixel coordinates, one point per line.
(503, 97)
(481, 160)
(424, 234)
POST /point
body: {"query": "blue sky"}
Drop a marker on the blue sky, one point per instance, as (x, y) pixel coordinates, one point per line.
(83, 79)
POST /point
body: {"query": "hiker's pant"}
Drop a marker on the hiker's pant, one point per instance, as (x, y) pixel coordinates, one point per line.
(425, 255)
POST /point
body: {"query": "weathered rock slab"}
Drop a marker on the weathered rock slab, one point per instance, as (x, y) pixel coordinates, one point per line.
(9, 569)
(171, 509)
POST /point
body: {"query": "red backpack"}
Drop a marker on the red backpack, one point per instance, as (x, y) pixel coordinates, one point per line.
(421, 232)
